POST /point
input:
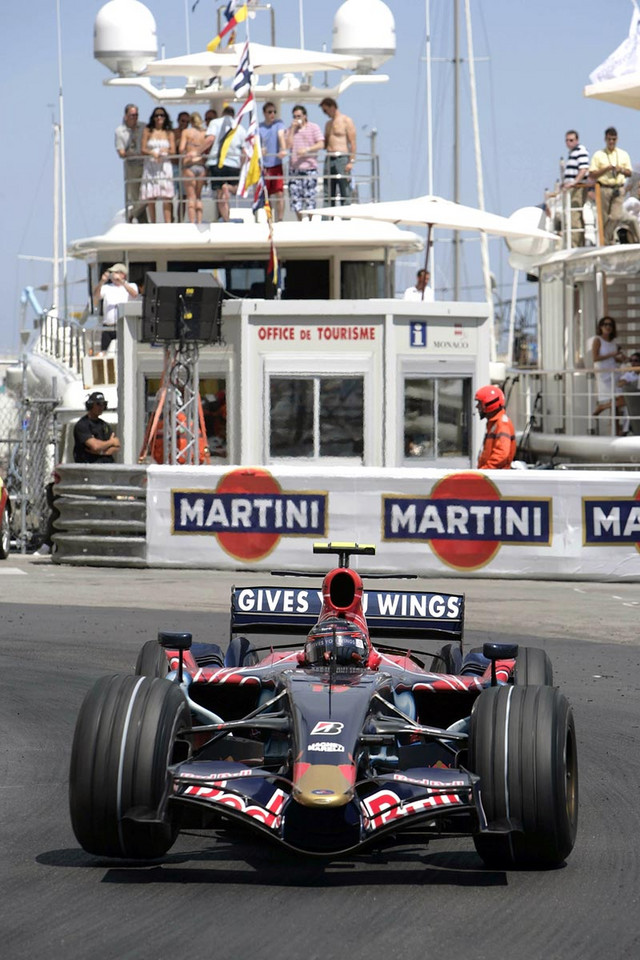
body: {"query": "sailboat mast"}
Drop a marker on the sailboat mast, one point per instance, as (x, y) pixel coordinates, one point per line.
(63, 188)
(430, 189)
(456, 142)
(55, 260)
(484, 243)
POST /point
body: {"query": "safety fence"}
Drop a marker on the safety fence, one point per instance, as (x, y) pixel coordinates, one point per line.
(557, 525)
(100, 515)
(28, 433)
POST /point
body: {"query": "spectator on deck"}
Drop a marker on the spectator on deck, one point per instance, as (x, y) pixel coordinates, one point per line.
(576, 170)
(158, 145)
(224, 175)
(340, 144)
(128, 145)
(304, 140)
(192, 146)
(182, 124)
(421, 290)
(274, 149)
(611, 167)
(607, 354)
(113, 288)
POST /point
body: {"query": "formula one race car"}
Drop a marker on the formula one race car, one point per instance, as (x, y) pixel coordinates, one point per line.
(334, 744)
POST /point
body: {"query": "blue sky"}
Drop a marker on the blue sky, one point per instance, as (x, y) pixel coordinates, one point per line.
(529, 92)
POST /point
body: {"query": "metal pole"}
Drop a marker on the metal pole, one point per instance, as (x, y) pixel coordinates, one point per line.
(484, 243)
(430, 187)
(456, 142)
(63, 188)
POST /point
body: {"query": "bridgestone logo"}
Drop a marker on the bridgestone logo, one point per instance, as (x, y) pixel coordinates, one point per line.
(325, 746)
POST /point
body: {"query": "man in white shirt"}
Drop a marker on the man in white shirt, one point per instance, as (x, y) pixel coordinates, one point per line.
(422, 291)
(128, 146)
(113, 288)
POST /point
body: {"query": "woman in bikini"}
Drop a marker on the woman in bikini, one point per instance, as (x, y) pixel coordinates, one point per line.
(193, 168)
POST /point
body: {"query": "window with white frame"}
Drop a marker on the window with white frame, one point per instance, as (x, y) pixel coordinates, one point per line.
(316, 417)
(436, 417)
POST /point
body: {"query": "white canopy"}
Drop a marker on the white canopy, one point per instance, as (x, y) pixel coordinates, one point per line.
(264, 60)
(617, 80)
(435, 212)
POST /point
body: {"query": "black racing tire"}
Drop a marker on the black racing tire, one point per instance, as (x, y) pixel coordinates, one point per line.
(522, 745)
(533, 668)
(240, 653)
(127, 734)
(447, 660)
(152, 660)
(5, 533)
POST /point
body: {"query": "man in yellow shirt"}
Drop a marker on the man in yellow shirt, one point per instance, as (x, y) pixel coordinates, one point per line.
(611, 167)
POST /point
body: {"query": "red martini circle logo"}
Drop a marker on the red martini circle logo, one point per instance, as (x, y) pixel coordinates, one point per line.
(249, 512)
(465, 520)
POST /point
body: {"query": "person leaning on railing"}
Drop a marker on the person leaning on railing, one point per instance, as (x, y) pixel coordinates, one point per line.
(192, 149)
(128, 145)
(610, 168)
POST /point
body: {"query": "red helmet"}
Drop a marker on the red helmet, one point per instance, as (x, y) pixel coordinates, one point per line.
(490, 400)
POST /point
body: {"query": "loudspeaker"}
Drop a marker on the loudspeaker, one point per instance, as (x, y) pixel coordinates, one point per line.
(181, 306)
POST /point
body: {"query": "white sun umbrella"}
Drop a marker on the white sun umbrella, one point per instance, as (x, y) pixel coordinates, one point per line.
(624, 91)
(433, 212)
(264, 60)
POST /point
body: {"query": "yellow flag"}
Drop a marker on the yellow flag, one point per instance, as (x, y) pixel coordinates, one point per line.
(239, 16)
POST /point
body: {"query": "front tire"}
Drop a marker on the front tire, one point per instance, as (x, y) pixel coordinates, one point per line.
(522, 744)
(126, 736)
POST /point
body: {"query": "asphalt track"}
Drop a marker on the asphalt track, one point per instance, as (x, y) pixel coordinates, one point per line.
(219, 897)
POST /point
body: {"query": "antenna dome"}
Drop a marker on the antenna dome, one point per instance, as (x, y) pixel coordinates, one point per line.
(124, 37)
(365, 28)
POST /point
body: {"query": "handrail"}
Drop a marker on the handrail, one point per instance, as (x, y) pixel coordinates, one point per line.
(567, 231)
(564, 401)
(364, 177)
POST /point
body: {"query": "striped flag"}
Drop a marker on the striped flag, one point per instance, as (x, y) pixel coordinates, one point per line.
(238, 15)
(248, 107)
(243, 80)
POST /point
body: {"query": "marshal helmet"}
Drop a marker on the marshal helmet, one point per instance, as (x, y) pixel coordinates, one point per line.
(489, 400)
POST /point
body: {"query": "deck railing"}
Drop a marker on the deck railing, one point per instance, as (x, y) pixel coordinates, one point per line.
(565, 401)
(364, 183)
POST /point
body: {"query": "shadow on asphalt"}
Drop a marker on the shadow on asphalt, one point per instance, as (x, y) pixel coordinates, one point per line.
(216, 864)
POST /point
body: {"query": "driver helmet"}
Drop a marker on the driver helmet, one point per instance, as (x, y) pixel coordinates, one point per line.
(337, 640)
(489, 400)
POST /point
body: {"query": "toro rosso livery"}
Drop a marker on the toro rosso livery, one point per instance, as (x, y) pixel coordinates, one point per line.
(336, 742)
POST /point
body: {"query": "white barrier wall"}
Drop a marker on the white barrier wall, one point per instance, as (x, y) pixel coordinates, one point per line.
(495, 523)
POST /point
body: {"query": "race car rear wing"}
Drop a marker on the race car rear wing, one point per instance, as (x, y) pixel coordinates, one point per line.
(389, 613)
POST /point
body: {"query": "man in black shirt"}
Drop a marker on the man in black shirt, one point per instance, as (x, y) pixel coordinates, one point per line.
(94, 440)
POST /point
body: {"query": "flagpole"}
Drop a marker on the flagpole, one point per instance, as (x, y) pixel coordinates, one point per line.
(430, 188)
(186, 25)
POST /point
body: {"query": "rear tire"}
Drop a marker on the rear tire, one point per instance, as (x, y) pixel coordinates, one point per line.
(533, 668)
(152, 660)
(126, 734)
(522, 745)
(448, 659)
(5, 533)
